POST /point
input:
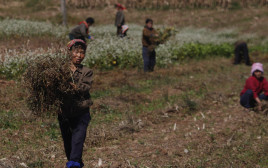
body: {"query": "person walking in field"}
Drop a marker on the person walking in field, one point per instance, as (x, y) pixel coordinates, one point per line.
(149, 43)
(119, 18)
(255, 89)
(75, 116)
(81, 31)
(241, 52)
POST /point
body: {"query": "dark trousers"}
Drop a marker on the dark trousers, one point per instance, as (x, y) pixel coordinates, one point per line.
(119, 30)
(71, 37)
(122, 35)
(247, 100)
(73, 131)
(149, 59)
(241, 51)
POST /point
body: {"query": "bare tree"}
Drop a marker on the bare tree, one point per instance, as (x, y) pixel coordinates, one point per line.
(64, 12)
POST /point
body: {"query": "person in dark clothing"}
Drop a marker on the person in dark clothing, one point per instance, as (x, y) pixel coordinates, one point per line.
(75, 116)
(81, 31)
(119, 18)
(241, 52)
(149, 43)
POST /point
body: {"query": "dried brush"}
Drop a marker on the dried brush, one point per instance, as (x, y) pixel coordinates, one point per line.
(47, 81)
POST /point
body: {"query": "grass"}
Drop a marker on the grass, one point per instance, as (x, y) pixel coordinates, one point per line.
(7, 120)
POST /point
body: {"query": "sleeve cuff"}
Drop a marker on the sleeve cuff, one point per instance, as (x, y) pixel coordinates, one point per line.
(255, 95)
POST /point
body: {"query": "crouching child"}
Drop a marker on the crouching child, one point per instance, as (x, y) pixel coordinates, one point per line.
(255, 89)
(75, 116)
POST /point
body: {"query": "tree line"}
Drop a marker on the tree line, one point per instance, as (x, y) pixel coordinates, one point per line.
(166, 4)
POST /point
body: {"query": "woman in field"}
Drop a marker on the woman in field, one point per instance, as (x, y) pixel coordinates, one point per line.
(74, 117)
(119, 18)
(255, 85)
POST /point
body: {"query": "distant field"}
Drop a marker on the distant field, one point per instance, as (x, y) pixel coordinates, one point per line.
(169, 4)
(247, 19)
(107, 52)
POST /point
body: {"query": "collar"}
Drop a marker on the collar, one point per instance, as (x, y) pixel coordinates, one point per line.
(79, 68)
(148, 28)
(85, 23)
(261, 79)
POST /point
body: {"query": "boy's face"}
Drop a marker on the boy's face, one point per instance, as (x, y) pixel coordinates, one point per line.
(78, 55)
(149, 24)
(258, 74)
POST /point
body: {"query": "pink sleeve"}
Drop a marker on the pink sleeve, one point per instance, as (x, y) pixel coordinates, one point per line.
(265, 86)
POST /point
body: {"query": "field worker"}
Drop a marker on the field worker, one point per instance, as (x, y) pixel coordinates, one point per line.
(81, 31)
(241, 51)
(256, 84)
(149, 42)
(74, 117)
(119, 18)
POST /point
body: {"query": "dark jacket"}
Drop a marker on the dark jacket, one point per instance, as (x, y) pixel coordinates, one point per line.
(79, 102)
(119, 19)
(80, 31)
(149, 38)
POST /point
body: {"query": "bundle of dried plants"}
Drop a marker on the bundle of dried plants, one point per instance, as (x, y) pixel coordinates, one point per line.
(47, 80)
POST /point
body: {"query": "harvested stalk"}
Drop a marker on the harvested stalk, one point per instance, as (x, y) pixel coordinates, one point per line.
(47, 81)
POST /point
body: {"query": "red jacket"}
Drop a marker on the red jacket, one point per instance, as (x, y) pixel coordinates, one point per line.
(257, 86)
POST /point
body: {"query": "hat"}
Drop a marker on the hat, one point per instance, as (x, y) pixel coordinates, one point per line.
(255, 67)
(120, 6)
(76, 42)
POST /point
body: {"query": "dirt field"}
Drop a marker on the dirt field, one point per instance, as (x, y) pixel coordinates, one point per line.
(184, 116)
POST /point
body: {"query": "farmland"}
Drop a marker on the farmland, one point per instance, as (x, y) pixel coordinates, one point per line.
(184, 114)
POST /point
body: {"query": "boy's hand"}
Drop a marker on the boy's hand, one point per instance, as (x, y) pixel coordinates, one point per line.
(73, 85)
(90, 37)
(72, 67)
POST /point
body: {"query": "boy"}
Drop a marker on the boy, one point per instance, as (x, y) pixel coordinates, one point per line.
(74, 117)
(149, 43)
(81, 31)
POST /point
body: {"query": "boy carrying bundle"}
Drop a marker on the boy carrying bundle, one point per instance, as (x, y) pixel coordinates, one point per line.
(75, 117)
